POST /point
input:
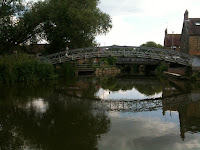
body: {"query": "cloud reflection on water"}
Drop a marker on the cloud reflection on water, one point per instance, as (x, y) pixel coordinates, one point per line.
(128, 94)
(143, 131)
(38, 104)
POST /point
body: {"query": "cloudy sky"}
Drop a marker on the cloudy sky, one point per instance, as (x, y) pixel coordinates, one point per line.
(137, 21)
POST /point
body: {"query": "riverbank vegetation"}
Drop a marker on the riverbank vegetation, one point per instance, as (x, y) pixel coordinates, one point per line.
(21, 67)
(195, 77)
(109, 60)
(66, 70)
(160, 69)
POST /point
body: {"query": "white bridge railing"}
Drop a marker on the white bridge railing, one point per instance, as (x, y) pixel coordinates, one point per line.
(124, 51)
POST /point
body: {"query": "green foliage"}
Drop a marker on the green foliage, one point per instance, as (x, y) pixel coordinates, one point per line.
(57, 21)
(23, 68)
(11, 30)
(195, 76)
(152, 44)
(161, 68)
(66, 70)
(109, 60)
(77, 22)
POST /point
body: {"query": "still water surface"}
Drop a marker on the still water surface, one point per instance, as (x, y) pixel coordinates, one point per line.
(107, 113)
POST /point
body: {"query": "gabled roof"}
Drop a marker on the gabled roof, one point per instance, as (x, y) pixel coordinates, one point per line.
(172, 37)
(193, 26)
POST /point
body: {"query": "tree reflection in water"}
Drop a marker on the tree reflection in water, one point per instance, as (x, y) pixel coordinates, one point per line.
(64, 123)
(60, 116)
(147, 86)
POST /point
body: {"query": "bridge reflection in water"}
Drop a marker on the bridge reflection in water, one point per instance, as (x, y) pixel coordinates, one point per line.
(131, 105)
(170, 103)
(59, 116)
(187, 105)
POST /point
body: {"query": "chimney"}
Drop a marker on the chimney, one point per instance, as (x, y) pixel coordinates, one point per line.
(186, 15)
(166, 31)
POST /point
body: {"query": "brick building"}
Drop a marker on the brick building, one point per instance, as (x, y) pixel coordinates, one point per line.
(172, 41)
(190, 37)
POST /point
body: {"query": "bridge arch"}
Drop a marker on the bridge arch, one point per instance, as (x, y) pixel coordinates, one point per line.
(125, 51)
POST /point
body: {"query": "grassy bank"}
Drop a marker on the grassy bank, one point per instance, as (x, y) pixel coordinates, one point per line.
(23, 68)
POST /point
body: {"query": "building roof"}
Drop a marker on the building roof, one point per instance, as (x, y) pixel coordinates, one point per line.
(172, 37)
(193, 26)
(36, 48)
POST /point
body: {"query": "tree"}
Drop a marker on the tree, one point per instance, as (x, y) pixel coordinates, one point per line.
(152, 44)
(59, 22)
(71, 22)
(9, 24)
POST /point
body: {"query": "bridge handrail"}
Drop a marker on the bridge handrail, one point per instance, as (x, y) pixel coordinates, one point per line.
(118, 47)
(124, 51)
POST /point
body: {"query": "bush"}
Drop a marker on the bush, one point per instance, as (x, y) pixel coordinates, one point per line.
(195, 76)
(160, 69)
(23, 68)
(66, 70)
(109, 60)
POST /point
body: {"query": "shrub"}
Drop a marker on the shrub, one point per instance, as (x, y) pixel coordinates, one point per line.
(66, 70)
(160, 69)
(109, 60)
(23, 68)
(195, 76)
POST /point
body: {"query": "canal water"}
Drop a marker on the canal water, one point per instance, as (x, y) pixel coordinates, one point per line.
(104, 113)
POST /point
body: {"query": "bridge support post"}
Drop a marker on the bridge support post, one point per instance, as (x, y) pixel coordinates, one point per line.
(59, 59)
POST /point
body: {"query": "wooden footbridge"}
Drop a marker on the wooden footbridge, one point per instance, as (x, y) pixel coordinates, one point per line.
(124, 51)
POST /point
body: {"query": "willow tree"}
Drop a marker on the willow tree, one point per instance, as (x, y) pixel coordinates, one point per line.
(71, 22)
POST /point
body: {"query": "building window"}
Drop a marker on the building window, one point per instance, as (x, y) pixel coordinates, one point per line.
(173, 47)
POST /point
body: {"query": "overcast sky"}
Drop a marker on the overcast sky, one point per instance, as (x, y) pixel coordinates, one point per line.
(137, 21)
